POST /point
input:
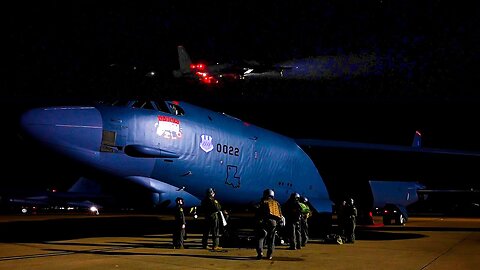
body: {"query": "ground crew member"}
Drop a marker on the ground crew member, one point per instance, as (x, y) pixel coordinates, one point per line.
(350, 221)
(293, 213)
(179, 224)
(268, 217)
(341, 219)
(211, 209)
(306, 212)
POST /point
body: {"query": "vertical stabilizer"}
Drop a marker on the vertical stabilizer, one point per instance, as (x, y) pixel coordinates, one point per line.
(183, 60)
(417, 140)
(85, 185)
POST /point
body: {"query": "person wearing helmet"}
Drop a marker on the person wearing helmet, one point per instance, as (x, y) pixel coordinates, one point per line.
(341, 219)
(306, 212)
(211, 209)
(268, 217)
(350, 216)
(179, 225)
(293, 214)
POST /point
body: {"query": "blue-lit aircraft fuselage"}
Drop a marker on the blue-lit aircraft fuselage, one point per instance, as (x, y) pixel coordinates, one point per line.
(181, 147)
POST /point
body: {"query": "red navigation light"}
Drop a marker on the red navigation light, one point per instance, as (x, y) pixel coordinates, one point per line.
(198, 67)
(209, 80)
(201, 66)
(201, 74)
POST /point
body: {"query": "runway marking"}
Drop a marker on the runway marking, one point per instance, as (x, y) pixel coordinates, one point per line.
(445, 252)
(62, 253)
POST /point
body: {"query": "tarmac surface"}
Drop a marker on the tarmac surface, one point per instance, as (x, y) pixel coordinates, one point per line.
(144, 242)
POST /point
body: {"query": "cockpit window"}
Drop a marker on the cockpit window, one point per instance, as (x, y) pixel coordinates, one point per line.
(161, 105)
(144, 104)
(175, 109)
(139, 104)
(119, 103)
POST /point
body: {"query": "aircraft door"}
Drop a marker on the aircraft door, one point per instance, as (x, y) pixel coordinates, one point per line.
(114, 135)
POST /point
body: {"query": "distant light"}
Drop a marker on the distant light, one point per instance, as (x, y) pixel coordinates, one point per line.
(94, 210)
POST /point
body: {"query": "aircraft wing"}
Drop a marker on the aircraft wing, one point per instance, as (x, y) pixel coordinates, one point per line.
(382, 147)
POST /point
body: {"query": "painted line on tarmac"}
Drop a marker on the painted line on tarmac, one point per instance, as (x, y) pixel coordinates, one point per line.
(61, 253)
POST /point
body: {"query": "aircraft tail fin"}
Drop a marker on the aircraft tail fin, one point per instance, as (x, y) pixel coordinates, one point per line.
(183, 60)
(417, 140)
(85, 185)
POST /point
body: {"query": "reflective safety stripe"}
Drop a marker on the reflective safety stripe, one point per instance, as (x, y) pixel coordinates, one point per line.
(274, 208)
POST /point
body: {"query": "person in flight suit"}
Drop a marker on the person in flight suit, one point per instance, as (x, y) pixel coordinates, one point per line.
(341, 219)
(293, 214)
(268, 217)
(211, 209)
(350, 216)
(306, 212)
(179, 224)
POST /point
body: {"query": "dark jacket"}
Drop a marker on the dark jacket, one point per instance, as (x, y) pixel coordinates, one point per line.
(293, 210)
(210, 207)
(179, 216)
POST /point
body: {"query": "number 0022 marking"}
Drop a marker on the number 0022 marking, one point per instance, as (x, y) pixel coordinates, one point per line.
(228, 150)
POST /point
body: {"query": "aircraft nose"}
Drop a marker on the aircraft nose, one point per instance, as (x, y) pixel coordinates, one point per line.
(72, 127)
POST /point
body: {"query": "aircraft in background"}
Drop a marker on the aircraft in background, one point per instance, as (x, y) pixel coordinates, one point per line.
(50, 201)
(173, 148)
(310, 68)
(221, 72)
(91, 195)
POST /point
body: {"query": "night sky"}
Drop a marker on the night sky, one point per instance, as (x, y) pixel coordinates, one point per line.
(75, 50)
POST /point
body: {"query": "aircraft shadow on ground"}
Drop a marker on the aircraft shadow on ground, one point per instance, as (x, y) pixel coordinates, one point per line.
(430, 228)
(209, 255)
(147, 226)
(74, 228)
(383, 235)
(154, 243)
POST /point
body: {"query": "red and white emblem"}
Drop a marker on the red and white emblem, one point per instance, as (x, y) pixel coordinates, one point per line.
(168, 127)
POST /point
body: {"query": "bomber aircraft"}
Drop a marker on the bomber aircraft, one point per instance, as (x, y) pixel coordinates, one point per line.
(309, 68)
(174, 148)
(213, 74)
